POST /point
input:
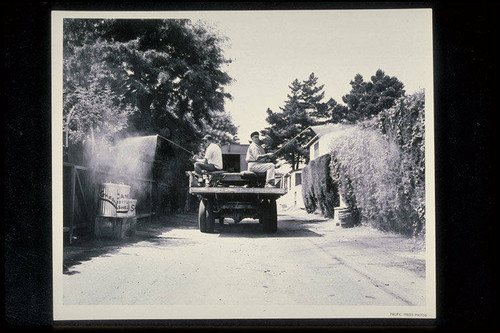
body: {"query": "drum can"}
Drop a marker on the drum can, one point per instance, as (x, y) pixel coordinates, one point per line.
(113, 199)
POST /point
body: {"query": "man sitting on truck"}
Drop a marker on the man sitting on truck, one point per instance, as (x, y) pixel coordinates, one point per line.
(212, 160)
(255, 156)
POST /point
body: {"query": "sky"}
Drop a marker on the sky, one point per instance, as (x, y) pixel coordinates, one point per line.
(270, 49)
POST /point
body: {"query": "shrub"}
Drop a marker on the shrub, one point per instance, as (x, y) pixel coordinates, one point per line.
(307, 190)
(318, 188)
(380, 167)
(367, 168)
(405, 124)
(346, 190)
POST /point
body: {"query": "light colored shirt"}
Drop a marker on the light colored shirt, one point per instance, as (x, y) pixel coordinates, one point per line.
(253, 152)
(213, 154)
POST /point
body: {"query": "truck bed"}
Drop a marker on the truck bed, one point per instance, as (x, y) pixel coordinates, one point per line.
(238, 190)
(230, 184)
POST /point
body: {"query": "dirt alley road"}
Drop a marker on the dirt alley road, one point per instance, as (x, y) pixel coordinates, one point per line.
(309, 261)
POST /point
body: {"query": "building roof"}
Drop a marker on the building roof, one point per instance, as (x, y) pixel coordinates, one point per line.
(234, 148)
(321, 130)
(313, 140)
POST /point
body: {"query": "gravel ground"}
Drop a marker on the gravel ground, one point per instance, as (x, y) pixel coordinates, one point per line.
(310, 261)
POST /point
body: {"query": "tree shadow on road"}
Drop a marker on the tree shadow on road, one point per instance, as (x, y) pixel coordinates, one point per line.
(89, 247)
(86, 247)
(252, 229)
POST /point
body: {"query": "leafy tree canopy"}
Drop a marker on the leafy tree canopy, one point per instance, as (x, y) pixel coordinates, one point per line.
(145, 76)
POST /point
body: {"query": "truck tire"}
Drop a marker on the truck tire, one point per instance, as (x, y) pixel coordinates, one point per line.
(264, 214)
(270, 216)
(274, 215)
(210, 217)
(206, 218)
(202, 216)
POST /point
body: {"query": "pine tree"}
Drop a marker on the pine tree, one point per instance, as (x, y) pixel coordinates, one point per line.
(312, 95)
(338, 112)
(303, 108)
(355, 99)
(367, 99)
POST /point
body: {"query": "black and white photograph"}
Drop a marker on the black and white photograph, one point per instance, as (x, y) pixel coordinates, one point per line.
(243, 164)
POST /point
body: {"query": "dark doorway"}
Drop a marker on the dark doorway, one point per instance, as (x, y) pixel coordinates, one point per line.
(231, 162)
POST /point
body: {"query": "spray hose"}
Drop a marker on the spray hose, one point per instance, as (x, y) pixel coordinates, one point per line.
(175, 144)
(193, 154)
(267, 157)
(290, 141)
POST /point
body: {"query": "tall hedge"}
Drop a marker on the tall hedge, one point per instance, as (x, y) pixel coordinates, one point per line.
(307, 189)
(368, 167)
(319, 190)
(379, 165)
(405, 124)
(346, 190)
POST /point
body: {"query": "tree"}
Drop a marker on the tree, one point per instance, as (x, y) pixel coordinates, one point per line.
(354, 99)
(367, 99)
(311, 96)
(169, 71)
(94, 104)
(303, 108)
(147, 77)
(338, 111)
(222, 128)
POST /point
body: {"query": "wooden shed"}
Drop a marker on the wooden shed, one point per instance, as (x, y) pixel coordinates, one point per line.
(233, 157)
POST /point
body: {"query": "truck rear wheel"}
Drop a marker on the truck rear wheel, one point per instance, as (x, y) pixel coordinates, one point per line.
(202, 217)
(206, 219)
(270, 216)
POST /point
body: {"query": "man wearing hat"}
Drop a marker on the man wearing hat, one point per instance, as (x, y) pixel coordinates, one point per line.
(255, 154)
(212, 160)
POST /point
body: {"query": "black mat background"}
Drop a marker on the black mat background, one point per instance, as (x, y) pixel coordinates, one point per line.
(466, 117)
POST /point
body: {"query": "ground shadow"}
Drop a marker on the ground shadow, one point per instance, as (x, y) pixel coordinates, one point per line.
(253, 229)
(86, 248)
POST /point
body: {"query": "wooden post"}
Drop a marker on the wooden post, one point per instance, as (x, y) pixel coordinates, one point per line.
(72, 203)
(94, 202)
(150, 201)
(187, 205)
(82, 194)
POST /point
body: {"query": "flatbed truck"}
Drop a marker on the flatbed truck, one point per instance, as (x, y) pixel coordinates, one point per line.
(236, 195)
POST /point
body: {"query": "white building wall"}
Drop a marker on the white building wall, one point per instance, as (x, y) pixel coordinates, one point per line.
(293, 198)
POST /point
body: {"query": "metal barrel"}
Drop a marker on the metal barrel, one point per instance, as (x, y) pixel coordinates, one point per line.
(132, 203)
(113, 200)
(122, 208)
(123, 196)
(345, 217)
(123, 191)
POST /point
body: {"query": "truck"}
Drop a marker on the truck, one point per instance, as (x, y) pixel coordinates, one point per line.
(236, 194)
